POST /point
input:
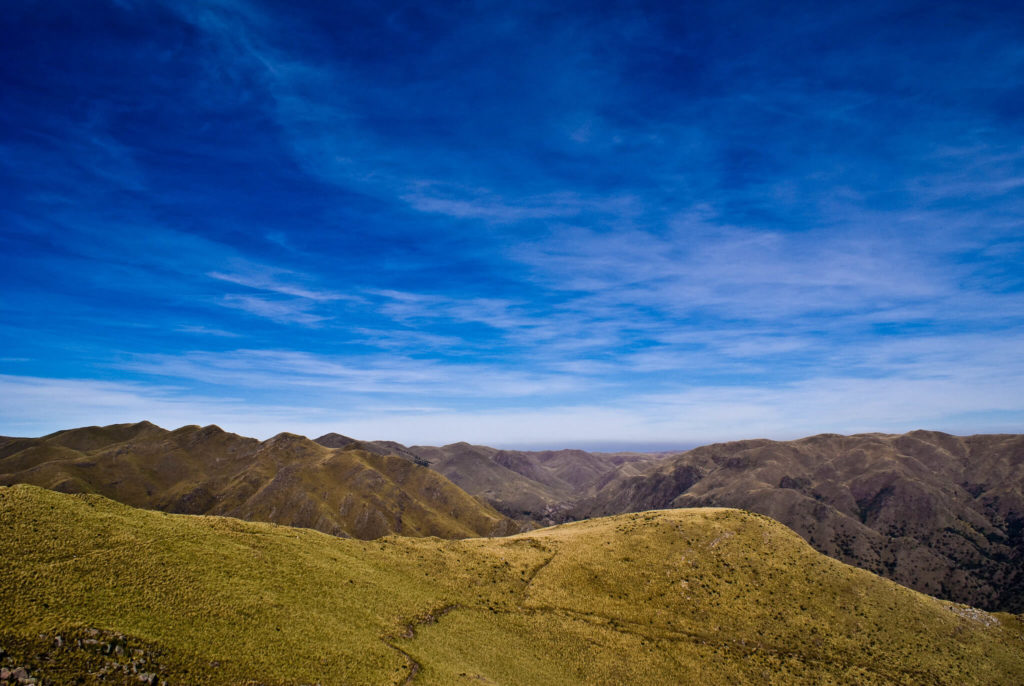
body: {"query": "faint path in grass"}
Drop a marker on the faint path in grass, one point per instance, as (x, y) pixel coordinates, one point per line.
(409, 632)
(533, 575)
(432, 616)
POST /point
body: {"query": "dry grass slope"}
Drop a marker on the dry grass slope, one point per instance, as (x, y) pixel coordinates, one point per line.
(287, 479)
(941, 514)
(666, 597)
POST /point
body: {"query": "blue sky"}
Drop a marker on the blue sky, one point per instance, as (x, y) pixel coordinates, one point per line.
(521, 224)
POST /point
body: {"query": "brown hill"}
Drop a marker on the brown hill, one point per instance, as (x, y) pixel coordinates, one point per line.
(333, 440)
(938, 513)
(539, 487)
(287, 479)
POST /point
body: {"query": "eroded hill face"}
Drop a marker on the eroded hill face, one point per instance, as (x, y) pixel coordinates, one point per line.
(287, 479)
(938, 513)
(669, 597)
(537, 487)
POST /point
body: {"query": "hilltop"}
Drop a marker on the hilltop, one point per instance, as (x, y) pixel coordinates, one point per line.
(287, 479)
(938, 513)
(667, 597)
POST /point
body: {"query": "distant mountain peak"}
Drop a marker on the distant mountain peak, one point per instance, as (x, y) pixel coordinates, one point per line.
(334, 440)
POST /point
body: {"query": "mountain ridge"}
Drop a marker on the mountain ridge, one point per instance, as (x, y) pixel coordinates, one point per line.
(286, 479)
(534, 487)
(939, 513)
(936, 512)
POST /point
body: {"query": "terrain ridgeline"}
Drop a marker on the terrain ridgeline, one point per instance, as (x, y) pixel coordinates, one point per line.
(287, 479)
(537, 488)
(941, 514)
(95, 588)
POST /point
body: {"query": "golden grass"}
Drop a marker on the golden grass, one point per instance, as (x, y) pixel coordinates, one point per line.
(287, 479)
(666, 597)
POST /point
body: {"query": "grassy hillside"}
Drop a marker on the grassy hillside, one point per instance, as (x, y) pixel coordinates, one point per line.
(669, 597)
(942, 514)
(287, 479)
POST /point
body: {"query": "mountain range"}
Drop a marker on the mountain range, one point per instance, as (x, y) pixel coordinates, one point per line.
(941, 514)
(287, 479)
(535, 488)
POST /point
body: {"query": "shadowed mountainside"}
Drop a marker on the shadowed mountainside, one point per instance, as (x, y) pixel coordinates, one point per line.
(941, 514)
(530, 486)
(287, 479)
(94, 591)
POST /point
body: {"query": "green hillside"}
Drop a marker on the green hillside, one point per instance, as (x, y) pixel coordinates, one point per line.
(666, 597)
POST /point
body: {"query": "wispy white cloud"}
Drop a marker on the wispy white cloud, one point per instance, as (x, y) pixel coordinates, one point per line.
(376, 374)
(207, 331)
(735, 272)
(284, 297)
(701, 414)
(281, 311)
(498, 313)
(35, 406)
(627, 253)
(404, 339)
(265, 278)
(463, 203)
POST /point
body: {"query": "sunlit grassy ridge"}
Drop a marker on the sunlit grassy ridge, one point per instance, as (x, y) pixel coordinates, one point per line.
(941, 514)
(667, 597)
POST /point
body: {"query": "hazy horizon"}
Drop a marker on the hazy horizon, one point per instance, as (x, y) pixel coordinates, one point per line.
(590, 224)
(592, 446)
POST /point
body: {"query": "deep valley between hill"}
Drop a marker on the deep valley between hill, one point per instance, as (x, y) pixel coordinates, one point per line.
(941, 514)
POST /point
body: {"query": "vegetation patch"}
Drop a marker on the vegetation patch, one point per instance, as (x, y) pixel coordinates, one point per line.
(667, 597)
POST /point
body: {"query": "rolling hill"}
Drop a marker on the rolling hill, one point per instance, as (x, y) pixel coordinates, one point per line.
(938, 513)
(287, 479)
(95, 591)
